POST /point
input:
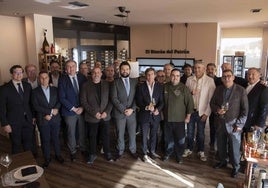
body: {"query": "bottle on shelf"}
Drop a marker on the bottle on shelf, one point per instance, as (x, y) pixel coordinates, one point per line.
(52, 48)
(45, 45)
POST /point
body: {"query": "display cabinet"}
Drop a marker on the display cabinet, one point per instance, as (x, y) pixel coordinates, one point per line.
(238, 64)
(45, 59)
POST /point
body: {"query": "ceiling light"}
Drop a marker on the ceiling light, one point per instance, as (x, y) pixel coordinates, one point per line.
(47, 1)
(77, 17)
(78, 4)
(255, 10)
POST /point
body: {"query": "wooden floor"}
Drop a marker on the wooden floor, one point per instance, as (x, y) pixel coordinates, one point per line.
(130, 173)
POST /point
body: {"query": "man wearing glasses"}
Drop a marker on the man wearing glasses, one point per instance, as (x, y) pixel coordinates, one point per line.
(230, 119)
(15, 111)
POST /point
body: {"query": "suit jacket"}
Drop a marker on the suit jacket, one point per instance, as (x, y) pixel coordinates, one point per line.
(238, 107)
(14, 109)
(143, 99)
(91, 102)
(207, 90)
(258, 106)
(42, 107)
(120, 99)
(67, 95)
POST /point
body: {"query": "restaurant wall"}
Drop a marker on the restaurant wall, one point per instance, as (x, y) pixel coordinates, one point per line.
(201, 40)
(13, 45)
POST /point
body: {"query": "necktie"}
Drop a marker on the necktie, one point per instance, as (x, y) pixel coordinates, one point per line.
(127, 86)
(75, 85)
(20, 90)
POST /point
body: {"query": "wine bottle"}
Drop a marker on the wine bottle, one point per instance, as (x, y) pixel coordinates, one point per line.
(52, 48)
(45, 45)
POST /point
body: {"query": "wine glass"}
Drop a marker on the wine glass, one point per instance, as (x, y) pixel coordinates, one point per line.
(225, 107)
(153, 102)
(5, 160)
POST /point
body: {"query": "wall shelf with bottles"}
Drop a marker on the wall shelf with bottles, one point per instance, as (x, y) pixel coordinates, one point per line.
(107, 57)
(45, 59)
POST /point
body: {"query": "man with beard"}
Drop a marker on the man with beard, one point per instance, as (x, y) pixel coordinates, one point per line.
(122, 95)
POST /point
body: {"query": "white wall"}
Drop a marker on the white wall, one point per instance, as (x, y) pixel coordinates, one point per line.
(13, 48)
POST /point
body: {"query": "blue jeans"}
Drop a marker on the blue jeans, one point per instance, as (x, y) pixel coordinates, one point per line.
(196, 121)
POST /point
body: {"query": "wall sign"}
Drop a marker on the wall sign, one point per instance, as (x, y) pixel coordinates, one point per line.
(167, 51)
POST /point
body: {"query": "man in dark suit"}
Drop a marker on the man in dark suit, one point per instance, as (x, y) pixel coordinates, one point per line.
(149, 99)
(46, 105)
(71, 109)
(123, 98)
(95, 101)
(230, 119)
(15, 110)
(257, 99)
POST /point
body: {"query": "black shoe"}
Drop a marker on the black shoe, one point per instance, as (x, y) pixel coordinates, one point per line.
(46, 164)
(166, 158)
(91, 159)
(59, 159)
(154, 156)
(220, 165)
(134, 155)
(234, 173)
(73, 157)
(179, 160)
(109, 157)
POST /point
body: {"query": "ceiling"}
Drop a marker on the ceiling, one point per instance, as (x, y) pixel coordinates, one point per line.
(235, 13)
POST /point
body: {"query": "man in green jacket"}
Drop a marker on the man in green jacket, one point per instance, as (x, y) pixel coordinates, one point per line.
(177, 111)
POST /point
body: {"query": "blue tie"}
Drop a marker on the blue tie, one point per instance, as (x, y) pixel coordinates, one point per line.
(127, 86)
(20, 90)
(75, 86)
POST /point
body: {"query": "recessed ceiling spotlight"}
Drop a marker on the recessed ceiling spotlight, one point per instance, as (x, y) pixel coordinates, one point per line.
(77, 17)
(16, 14)
(255, 10)
(105, 21)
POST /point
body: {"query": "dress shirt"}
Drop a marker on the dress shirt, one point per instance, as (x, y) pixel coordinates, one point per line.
(127, 85)
(72, 79)
(151, 89)
(196, 85)
(34, 84)
(15, 83)
(46, 91)
(251, 86)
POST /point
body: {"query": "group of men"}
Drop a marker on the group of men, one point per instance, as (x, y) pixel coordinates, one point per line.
(90, 105)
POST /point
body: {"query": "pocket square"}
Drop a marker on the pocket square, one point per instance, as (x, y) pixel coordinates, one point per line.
(28, 171)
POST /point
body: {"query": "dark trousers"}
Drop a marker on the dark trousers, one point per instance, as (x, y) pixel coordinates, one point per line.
(22, 134)
(195, 120)
(92, 132)
(50, 133)
(150, 128)
(212, 129)
(175, 136)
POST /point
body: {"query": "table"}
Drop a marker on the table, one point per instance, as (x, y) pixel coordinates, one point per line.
(22, 159)
(248, 172)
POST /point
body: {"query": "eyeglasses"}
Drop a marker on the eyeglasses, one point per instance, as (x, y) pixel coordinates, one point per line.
(227, 76)
(18, 73)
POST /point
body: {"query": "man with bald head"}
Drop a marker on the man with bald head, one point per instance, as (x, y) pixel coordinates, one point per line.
(95, 101)
(238, 80)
